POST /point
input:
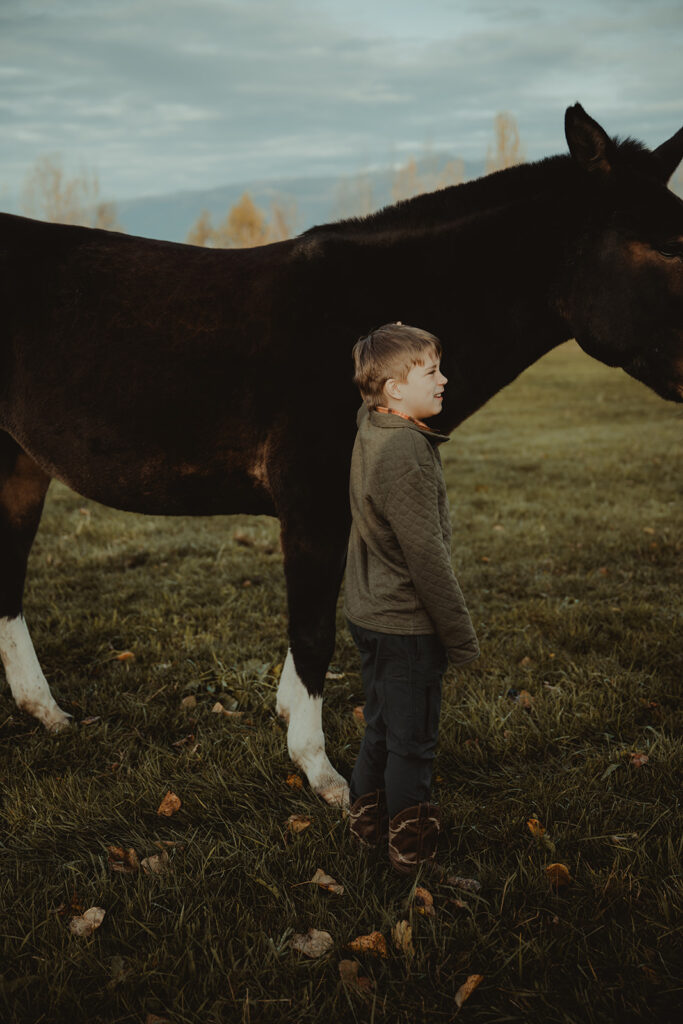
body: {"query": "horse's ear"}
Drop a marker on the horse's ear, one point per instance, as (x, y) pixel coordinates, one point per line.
(589, 144)
(669, 154)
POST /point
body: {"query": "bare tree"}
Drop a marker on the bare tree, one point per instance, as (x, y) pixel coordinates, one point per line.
(507, 150)
(49, 194)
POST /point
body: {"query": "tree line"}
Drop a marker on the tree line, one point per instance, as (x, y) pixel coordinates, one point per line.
(49, 194)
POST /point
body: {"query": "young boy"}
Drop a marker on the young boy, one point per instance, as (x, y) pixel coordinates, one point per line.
(402, 602)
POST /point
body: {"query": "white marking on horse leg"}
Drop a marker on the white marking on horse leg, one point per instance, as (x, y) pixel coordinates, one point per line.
(25, 676)
(305, 738)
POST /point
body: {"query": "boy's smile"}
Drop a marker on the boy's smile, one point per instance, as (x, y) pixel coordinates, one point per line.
(421, 394)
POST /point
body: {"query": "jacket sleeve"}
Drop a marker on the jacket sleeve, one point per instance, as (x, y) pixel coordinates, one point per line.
(412, 511)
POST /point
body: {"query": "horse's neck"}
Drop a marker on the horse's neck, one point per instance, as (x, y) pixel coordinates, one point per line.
(487, 287)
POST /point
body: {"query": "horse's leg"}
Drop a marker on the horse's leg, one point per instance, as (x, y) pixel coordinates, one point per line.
(23, 486)
(314, 566)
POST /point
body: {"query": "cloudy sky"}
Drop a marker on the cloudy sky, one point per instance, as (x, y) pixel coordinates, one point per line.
(160, 95)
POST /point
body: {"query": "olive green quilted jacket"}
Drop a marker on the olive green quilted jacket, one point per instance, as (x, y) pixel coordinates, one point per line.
(399, 576)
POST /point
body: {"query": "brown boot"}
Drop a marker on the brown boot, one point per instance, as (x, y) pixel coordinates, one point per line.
(413, 836)
(368, 819)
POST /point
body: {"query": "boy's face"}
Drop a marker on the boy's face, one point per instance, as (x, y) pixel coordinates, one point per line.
(421, 394)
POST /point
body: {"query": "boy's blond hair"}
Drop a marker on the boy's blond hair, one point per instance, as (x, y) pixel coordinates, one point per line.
(388, 352)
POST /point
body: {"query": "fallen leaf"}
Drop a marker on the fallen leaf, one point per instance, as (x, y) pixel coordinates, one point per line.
(458, 903)
(498, 527)
(485, 558)
(648, 529)
(424, 902)
(169, 805)
(334, 675)
(153, 1018)
(466, 989)
(525, 660)
(638, 759)
(157, 864)
(525, 700)
(186, 739)
(558, 875)
(358, 713)
(218, 709)
(314, 943)
(86, 924)
(466, 884)
(551, 688)
(297, 822)
(91, 720)
(348, 972)
(242, 538)
(123, 860)
(189, 702)
(125, 656)
(535, 827)
(246, 583)
(402, 934)
(372, 943)
(327, 882)
(294, 781)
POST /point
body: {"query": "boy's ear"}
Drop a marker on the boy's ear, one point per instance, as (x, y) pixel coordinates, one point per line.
(391, 387)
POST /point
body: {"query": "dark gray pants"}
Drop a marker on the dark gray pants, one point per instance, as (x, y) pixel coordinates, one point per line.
(402, 685)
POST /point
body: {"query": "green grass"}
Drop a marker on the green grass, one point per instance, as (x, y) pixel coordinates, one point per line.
(565, 492)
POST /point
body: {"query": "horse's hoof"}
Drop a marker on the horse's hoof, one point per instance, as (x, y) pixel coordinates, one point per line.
(57, 721)
(335, 793)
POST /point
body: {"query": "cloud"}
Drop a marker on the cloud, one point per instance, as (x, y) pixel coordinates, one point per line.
(157, 94)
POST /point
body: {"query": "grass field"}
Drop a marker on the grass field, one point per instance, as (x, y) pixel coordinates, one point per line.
(566, 500)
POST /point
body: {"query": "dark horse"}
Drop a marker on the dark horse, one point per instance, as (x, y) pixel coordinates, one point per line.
(165, 378)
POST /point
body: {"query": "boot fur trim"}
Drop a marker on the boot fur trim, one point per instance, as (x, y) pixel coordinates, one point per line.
(413, 837)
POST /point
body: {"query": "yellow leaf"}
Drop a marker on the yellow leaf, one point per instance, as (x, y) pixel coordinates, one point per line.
(525, 700)
(189, 702)
(372, 943)
(169, 805)
(535, 828)
(327, 882)
(294, 781)
(558, 875)
(402, 934)
(124, 861)
(314, 943)
(424, 902)
(467, 988)
(125, 656)
(86, 924)
(297, 822)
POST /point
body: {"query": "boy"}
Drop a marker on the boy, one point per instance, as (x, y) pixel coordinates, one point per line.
(402, 601)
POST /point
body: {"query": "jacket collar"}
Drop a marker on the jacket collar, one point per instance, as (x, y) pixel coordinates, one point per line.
(388, 422)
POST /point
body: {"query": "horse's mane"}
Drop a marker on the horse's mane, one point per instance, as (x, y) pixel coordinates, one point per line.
(482, 195)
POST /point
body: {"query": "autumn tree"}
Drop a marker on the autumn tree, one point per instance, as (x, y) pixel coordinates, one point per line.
(49, 194)
(353, 197)
(506, 151)
(244, 225)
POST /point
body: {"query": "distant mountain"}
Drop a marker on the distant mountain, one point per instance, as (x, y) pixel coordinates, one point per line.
(317, 200)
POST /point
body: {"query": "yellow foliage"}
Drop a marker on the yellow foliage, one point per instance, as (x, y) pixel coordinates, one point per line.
(49, 194)
(243, 226)
(507, 149)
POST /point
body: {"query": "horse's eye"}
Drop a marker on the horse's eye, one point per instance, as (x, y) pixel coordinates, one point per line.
(671, 250)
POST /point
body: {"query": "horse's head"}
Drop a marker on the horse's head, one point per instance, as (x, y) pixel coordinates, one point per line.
(623, 294)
